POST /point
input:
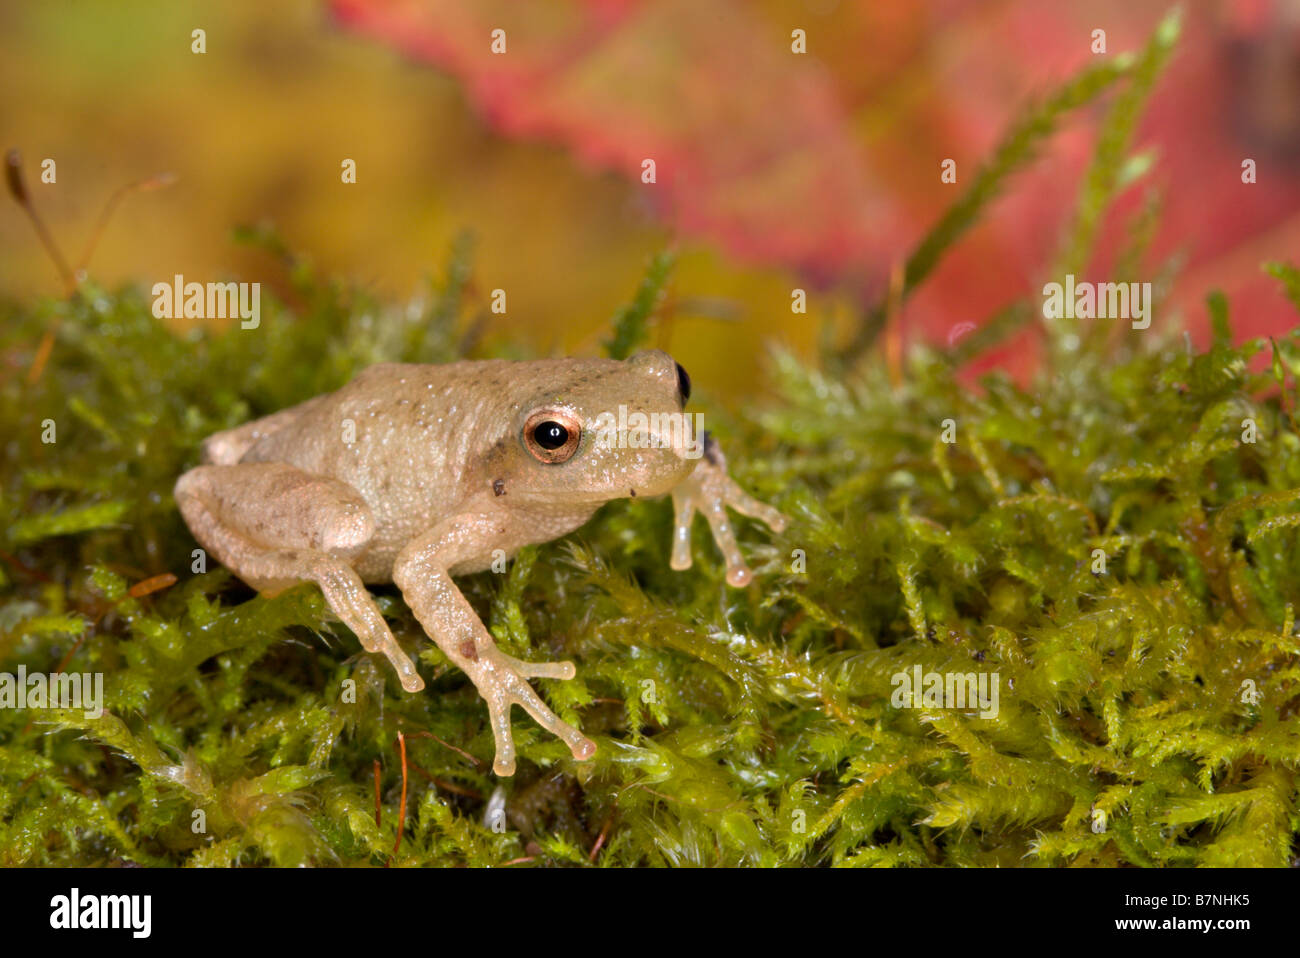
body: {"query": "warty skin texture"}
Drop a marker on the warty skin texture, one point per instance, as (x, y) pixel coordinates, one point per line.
(416, 473)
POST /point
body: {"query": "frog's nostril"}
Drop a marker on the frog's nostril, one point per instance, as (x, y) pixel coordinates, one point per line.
(683, 383)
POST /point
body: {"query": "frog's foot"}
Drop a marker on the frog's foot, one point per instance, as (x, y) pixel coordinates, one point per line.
(709, 489)
(502, 680)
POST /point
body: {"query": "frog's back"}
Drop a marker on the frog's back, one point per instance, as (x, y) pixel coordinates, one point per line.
(403, 435)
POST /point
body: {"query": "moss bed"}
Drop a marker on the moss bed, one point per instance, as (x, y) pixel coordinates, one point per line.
(1156, 698)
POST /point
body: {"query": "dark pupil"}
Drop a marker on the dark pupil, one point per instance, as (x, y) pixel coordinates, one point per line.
(551, 435)
(683, 383)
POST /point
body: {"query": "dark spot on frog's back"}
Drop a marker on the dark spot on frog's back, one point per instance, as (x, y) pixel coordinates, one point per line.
(499, 487)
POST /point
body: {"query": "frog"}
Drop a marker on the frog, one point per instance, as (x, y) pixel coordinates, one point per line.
(414, 474)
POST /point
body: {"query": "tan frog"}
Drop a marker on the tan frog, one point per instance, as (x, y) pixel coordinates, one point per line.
(415, 473)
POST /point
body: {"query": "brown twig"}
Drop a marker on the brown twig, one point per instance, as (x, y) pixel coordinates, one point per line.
(458, 751)
(149, 586)
(401, 815)
(156, 182)
(30, 571)
(71, 277)
(600, 839)
(18, 190)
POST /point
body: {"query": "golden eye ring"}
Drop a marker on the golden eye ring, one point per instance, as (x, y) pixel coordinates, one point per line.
(552, 436)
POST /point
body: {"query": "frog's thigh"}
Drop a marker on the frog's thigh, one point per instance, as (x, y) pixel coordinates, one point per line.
(275, 526)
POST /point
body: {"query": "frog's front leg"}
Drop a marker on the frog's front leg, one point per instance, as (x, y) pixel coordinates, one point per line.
(421, 571)
(709, 489)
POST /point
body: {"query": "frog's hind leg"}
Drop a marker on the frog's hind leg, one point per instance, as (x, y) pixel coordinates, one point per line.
(275, 526)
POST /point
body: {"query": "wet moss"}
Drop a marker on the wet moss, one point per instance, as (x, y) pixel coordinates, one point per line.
(1116, 542)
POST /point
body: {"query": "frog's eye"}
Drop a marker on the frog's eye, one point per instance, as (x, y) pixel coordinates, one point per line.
(552, 436)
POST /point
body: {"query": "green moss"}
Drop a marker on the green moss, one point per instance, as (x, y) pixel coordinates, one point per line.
(1156, 696)
(734, 726)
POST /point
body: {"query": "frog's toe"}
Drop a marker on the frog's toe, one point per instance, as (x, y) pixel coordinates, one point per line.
(504, 766)
(405, 668)
(747, 505)
(499, 716)
(739, 576)
(509, 686)
(543, 670)
(683, 516)
(738, 573)
(581, 746)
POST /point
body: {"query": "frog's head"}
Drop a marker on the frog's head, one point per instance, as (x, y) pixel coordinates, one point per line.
(604, 430)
